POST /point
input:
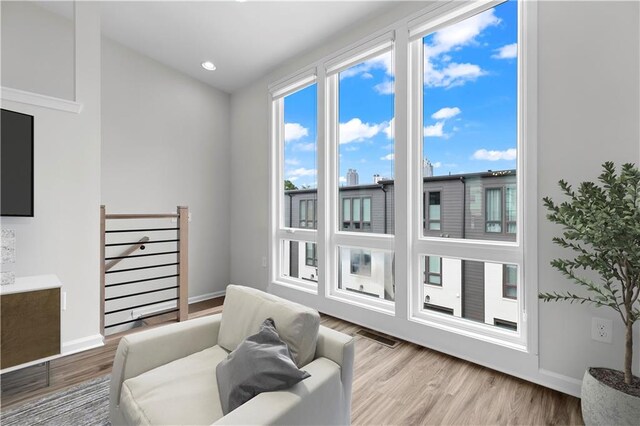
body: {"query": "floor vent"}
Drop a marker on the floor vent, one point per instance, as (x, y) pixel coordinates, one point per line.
(383, 339)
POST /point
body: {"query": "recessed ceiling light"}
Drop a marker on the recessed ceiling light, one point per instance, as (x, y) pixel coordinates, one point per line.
(208, 65)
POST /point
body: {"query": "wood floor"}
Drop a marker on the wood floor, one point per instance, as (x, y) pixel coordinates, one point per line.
(407, 384)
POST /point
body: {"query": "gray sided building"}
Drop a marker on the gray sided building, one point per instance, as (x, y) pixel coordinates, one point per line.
(479, 206)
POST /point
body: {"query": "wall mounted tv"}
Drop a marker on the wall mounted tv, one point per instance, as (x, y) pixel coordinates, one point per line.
(16, 162)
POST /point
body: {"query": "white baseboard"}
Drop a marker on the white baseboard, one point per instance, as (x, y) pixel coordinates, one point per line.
(560, 382)
(137, 313)
(206, 296)
(82, 344)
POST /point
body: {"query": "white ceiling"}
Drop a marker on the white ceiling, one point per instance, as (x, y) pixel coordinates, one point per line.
(245, 40)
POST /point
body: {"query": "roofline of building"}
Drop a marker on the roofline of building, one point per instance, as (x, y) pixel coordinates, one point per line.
(382, 183)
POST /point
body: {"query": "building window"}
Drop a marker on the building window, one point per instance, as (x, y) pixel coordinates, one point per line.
(510, 281)
(361, 262)
(311, 257)
(438, 308)
(356, 214)
(308, 214)
(510, 208)
(509, 325)
(434, 211)
(493, 210)
(433, 270)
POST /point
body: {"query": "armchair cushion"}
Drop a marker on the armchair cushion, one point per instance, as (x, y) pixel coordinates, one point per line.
(183, 391)
(262, 363)
(246, 308)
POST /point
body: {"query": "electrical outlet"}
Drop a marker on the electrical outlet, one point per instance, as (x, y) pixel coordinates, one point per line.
(602, 330)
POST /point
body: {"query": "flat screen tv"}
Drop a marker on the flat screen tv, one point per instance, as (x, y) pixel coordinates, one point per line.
(16, 162)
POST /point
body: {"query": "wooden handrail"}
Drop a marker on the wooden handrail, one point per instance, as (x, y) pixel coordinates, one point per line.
(143, 216)
(127, 252)
(181, 218)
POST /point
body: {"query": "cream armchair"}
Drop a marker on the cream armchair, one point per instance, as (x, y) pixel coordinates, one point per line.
(166, 375)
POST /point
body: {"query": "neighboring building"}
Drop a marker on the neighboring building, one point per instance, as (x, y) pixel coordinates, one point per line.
(427, 168)
(352, 177)
(479, 206)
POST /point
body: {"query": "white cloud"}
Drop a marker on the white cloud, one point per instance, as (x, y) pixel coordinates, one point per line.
(451, 38)
(293, 178)
(508, 51)
(355, 130)
(294, 131)
(385, 88)
(383, 62)
(342, 179)
(351, 148)
(390, 129)
(461, 34)
(311, 146)
(452, 75)
(301, 172)
(388, 157)
(435, 130)
(483, 154)
(437, 165)
(445, 113)
(292, 162)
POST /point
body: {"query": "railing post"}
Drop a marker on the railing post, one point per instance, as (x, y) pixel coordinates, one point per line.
(102, 271)
(183, 267)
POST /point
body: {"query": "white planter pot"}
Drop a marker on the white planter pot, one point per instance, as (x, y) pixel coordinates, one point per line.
(603, 405)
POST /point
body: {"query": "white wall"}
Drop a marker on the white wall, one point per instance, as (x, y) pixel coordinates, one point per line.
(589, 104)
(37, 50)
(449, 294)
(165, 142)
(62, 237)
(495, 305)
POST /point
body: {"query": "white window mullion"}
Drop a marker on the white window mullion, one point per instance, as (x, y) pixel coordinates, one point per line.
(323, 158)
(386, 242)
(309, 235)
(403, 200)
(331, 169)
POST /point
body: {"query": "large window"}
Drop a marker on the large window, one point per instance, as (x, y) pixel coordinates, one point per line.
(361, 133)
(466, 79)
(294, 113)
(425, 167)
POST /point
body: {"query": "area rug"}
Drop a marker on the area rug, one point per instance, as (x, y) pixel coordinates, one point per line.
(85, 404)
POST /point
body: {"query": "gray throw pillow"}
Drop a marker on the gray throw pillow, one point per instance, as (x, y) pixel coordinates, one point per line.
(261, 363)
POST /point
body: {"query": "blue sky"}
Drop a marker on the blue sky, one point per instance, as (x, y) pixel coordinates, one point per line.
(470, 105)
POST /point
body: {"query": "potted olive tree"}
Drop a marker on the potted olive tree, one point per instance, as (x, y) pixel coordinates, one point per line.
(601, 225)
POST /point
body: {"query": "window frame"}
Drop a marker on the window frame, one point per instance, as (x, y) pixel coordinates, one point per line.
(338, 236)
(281, 234)
(494, 251)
